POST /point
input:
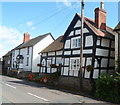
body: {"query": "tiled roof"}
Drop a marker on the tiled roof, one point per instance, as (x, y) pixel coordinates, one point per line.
(109, 33)
(33, 41)
(8, 54)
(117, 27)
(55, 46)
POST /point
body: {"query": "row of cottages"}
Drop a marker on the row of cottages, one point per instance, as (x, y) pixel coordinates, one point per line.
(117, 44)
(25, 56)
(98, 50)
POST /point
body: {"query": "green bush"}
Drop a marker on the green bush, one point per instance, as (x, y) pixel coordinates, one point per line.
(108, 87)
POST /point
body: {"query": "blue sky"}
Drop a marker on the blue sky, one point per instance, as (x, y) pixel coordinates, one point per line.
(39, 18)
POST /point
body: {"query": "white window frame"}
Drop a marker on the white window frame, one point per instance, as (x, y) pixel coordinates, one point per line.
(76, 42)
(74, 64)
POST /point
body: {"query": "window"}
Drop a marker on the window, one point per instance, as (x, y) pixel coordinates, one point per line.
(43, 62)
(27, 61)
(28, 50)
(48, 63)
(76, 43)
(74, 64)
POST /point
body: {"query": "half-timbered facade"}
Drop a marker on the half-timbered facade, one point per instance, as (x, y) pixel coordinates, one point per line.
(51, 55)
(98, 46)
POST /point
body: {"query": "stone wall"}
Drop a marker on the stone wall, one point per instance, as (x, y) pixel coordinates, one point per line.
(73, 83)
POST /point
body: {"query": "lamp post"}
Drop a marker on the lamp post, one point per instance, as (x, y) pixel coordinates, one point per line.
(81, 44)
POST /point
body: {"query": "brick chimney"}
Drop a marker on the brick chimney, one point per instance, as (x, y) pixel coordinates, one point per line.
(100, 17)
(26, 37)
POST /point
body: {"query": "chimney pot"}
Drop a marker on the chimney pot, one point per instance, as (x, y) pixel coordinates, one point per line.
(100, 17)
(26, 37)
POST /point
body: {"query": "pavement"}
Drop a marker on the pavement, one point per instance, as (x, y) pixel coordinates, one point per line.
(19, 91)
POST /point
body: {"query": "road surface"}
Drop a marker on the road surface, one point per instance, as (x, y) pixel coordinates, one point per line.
(19, 91)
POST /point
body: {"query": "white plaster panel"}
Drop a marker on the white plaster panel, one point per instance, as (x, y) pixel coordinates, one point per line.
(78, 24)
(98, 42)
(48, 70)
(65, 71)
(53, 60)
(67, 44)
(44, 54)
(78, 31)
(54, 70)
(67, 52)
(104, 62)
(59, 52)
(83, 61)
(88, 62)
(71, 33)
(105, 42)
(76, 52)
(96, 73)
(71, 73)
(51, 53)
(89, 41)
(101, 52)
(87, 51)
(75, 73)
(87, 74)
(66, 61)
(96, 63)
(85, 30)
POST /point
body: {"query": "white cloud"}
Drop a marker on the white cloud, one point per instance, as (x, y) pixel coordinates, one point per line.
(65, 2)
(29, 23)
(32, 28)
(9, 38)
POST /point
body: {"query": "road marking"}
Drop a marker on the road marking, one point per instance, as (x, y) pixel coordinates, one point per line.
(10, 86)
(38, 97)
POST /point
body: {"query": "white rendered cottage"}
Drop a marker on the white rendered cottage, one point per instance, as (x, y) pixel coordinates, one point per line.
(25, 56)
(99, 46)
(51, 55)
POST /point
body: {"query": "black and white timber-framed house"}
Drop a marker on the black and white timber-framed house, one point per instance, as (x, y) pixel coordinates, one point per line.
(98, 46)
(51, 55)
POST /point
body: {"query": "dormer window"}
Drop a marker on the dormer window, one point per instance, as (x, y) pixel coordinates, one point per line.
(28, 50)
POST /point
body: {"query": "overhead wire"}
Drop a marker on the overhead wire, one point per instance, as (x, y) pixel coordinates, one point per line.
(47, 18)
(63, 21)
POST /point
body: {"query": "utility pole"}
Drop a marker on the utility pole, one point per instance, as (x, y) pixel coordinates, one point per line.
(81, 44)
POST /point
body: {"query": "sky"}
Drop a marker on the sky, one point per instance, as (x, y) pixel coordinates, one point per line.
(39, 18)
